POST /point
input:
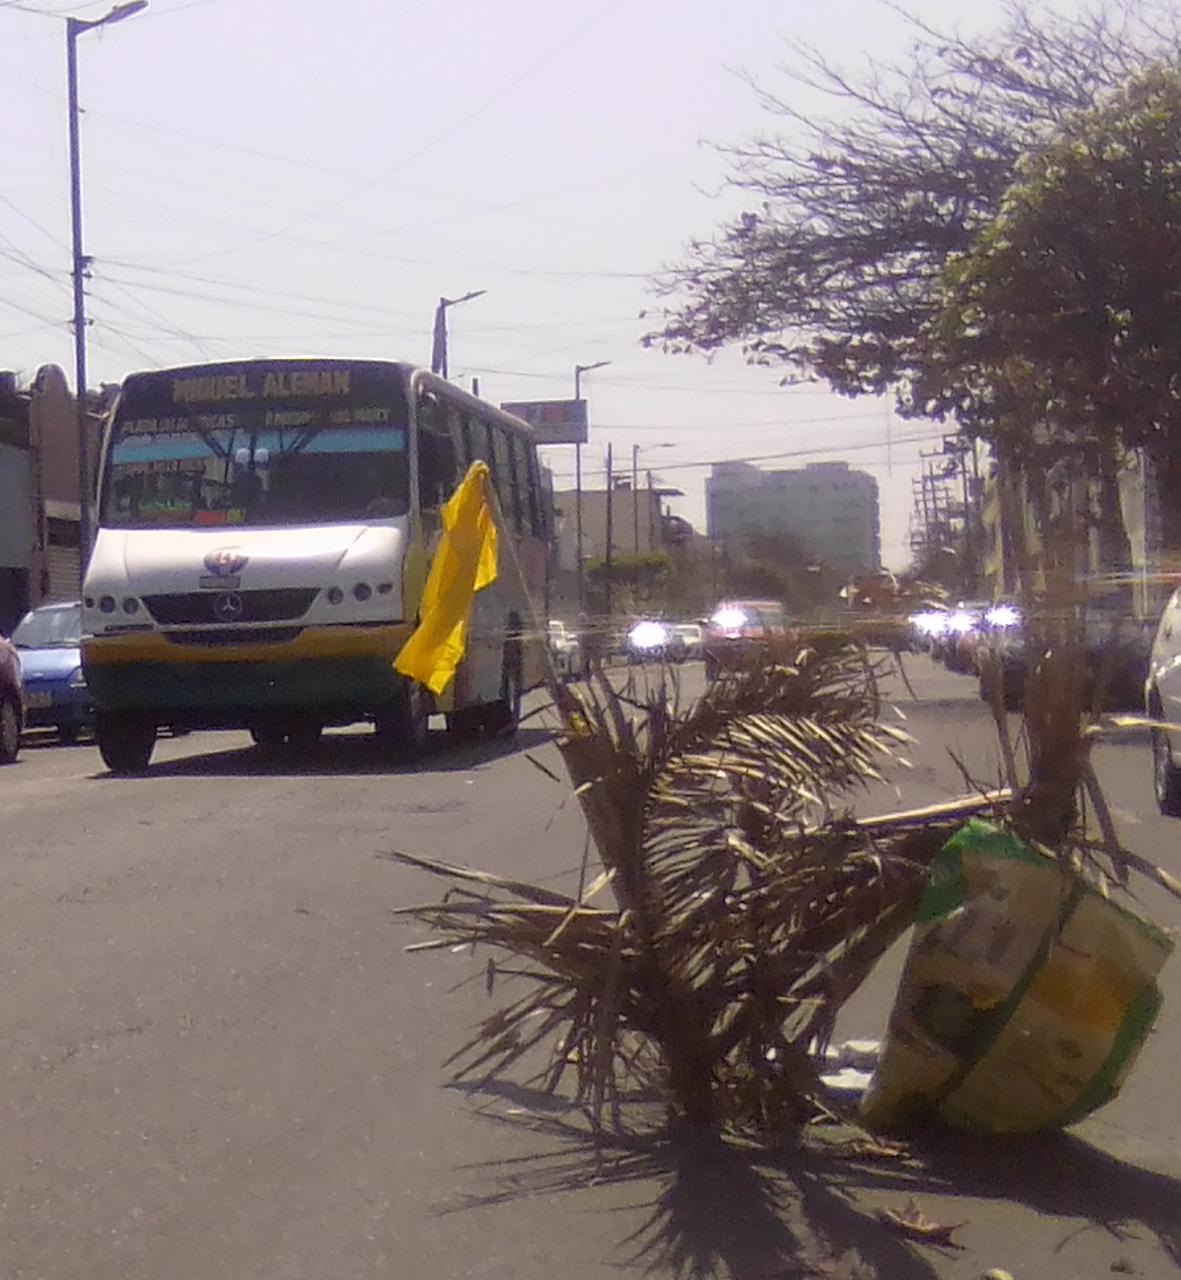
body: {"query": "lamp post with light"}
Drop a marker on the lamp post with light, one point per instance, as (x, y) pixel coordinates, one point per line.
(439, 345)
(636, 451)
(74, 28)
(579, 370)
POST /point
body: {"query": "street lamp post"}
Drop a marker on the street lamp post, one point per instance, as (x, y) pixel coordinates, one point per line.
(439, 343)
(579, 370)
(74, 28)
(636, 448)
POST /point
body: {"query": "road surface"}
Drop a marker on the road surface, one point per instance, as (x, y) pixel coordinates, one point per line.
(219, 1061)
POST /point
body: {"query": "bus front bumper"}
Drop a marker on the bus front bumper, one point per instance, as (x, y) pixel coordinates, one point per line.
(335, 673)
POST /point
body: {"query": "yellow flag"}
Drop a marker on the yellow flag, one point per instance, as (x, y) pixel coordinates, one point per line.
(464, 563)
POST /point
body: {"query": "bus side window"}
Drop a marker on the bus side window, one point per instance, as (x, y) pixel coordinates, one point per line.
(436, 455)
(478, 444)
(532, 480)
(461, 438)
(506, 479)
(520, 484)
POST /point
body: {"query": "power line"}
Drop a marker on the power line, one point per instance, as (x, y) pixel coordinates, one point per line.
(810, 451)
(463, 120)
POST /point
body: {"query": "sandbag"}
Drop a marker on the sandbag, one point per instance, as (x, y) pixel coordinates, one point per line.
(1025, 998)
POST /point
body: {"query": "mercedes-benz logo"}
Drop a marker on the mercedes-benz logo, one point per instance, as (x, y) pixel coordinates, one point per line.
(227, 607)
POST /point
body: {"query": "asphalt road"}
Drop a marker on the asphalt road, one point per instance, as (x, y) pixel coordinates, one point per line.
(219, 1061)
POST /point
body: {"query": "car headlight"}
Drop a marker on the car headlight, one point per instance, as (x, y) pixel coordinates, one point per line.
(648, 635)
(77, 678)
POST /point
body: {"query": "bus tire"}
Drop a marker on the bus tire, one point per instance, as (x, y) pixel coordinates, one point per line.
(125, 740)
(502, 717)
(403, 725)
(268, 736)
(465, 724)
(303, 736)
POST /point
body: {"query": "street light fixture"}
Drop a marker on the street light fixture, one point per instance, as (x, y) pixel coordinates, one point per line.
(636, 491)
(74, 28)
(439, 345)
(579, 370)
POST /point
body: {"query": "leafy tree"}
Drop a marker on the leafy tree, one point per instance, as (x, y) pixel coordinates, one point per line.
(636, 581)
(832, 273)
(1059, 333)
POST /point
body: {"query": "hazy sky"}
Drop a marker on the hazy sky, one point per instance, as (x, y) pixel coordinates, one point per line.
(289, 177)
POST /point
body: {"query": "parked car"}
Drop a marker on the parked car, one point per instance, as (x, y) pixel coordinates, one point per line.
(566, 649)
(687, 641)
(1116, 651)
(49, 640)
(11, 703)
(1162, 696)
(739, 628)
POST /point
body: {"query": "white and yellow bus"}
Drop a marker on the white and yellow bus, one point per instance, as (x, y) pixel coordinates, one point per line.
(264, 533)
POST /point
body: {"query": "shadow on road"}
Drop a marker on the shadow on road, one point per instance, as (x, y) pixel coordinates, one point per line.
(1056, 1175)
(721, 1207)
(344, 755)
(727, 1208)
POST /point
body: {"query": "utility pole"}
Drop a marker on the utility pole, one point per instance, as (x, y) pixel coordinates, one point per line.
(74, 28)
(439, 341)
(636, 498)
(610, 534)
(579, 370)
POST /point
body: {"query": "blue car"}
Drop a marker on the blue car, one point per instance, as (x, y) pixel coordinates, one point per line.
(56, 696)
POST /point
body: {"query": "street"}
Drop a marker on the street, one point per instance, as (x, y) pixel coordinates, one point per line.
(221, 1062)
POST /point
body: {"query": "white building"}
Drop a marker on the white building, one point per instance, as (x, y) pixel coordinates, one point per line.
(830, 511)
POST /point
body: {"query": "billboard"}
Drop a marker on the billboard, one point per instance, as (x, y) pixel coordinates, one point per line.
(553, 421)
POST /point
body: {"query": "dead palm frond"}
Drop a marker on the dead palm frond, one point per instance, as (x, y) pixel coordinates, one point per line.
(748, 907)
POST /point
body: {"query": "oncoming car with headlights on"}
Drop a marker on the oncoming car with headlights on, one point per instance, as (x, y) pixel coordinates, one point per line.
(739, 629)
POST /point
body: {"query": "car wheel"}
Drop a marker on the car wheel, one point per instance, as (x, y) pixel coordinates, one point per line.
(1166, 776)
(10, 730)
(125, 740)
(503, 716)
(403, 725)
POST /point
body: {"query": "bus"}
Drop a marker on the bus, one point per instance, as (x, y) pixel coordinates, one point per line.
(264, 532)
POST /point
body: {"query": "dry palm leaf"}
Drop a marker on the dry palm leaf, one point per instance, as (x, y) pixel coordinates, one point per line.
(746, 914)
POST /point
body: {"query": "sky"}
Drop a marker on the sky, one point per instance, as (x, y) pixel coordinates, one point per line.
(283, 177)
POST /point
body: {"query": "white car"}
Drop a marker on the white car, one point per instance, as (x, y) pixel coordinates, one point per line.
(566, 649)
(688, 642)
(1162, 697)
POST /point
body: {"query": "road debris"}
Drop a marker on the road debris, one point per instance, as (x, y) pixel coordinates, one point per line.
(915, 1224)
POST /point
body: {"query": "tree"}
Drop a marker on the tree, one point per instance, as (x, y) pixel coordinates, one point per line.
(636, 581)
(833, 273)
(1058, 334)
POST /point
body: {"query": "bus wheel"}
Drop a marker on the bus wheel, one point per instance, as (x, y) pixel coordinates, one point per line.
(502, 717)
(125, 740)
(403, 725)
(303, 736)
(465, 725)
(269, 736)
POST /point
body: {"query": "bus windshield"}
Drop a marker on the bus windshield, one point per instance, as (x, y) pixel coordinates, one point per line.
(272, 467)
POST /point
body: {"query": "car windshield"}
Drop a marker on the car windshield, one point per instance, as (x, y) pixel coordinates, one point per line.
(272, 467)
(53, 628)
